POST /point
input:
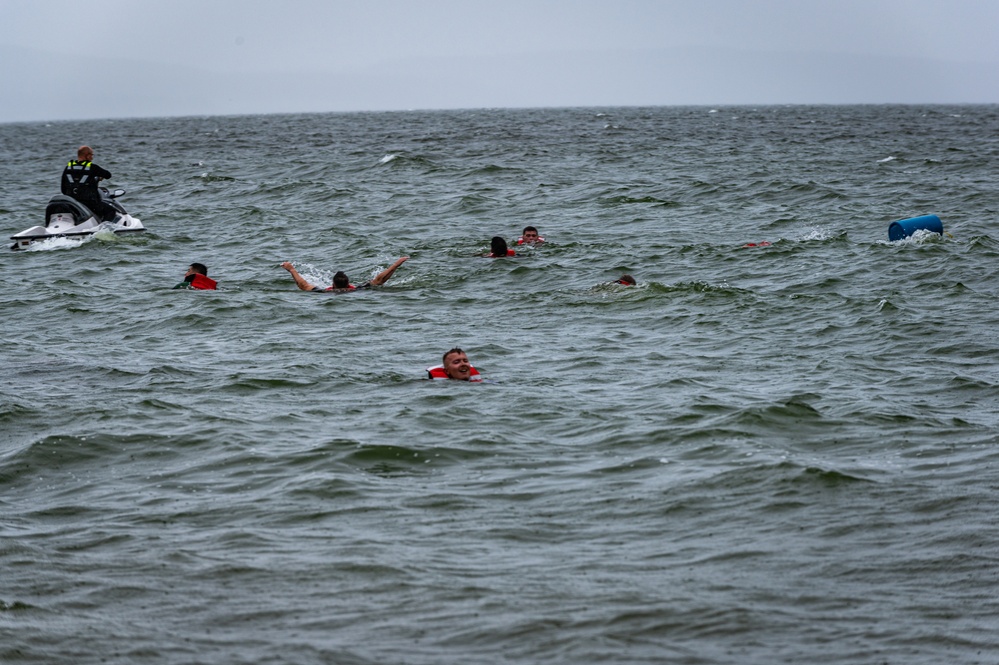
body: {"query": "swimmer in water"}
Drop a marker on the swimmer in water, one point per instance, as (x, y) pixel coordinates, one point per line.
(455, 366)
(341, 283)
(196, 278)
(530, 237)
(499, 249)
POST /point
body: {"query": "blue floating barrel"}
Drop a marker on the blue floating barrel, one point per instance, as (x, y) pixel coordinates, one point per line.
(904, 228)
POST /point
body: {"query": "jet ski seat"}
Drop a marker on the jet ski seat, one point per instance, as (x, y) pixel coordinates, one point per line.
(62, 204)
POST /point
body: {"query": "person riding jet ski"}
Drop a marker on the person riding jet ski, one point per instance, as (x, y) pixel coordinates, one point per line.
(80, 179)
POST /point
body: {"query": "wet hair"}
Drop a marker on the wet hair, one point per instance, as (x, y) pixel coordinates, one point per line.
(200, 268)
(447, 353)
(340, 280)
(627, 279)
(498, 246)
(528, 228)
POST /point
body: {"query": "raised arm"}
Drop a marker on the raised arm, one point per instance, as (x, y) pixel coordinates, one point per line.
(384, 275)
(299, 280)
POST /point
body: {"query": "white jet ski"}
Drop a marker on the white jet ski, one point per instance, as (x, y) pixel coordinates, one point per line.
(65, 217)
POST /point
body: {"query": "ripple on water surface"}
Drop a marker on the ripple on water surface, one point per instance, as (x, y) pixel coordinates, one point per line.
(783, 438)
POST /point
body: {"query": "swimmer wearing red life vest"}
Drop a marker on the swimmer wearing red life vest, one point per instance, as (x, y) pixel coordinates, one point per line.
(499, 249)
(341, 283)
(530, 236)
(626, 280)
(197, 278)
(455, 366)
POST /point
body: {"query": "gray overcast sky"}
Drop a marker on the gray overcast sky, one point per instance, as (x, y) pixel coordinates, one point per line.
(122, 58)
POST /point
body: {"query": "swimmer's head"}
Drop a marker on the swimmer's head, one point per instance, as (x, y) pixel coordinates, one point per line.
(498, 246)
(456, 365)
(340, 280)
(627, 280)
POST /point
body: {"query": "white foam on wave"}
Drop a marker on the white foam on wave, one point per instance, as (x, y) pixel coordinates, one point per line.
(105, 233)
(55, 243)
(388, 158)
(918, 237)
(314, 274)
(817, 233)
(889, 158)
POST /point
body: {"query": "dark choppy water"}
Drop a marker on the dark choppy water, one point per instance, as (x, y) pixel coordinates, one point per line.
(759, 455)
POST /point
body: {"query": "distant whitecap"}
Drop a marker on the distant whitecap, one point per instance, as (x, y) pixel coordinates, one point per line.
(816, 233)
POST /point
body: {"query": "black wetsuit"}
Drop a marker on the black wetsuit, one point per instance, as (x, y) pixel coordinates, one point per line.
(79, 180)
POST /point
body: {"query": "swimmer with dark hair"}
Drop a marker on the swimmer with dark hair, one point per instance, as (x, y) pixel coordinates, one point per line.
(499, 249)
(341, 283)
(197, 278)
(529, 236)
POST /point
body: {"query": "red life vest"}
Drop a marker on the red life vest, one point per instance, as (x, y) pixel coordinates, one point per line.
(509, 252)
(439, 373)
(203, 283)
(350, 287)
(520, 240)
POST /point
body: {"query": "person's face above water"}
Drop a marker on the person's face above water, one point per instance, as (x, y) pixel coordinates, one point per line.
(456, 366)
(530, 236)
